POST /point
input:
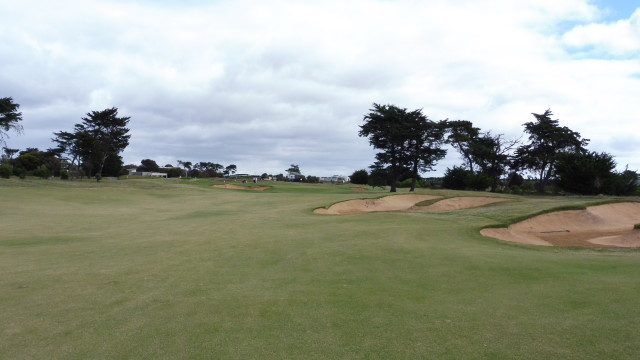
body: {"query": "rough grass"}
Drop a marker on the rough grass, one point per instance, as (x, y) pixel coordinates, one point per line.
(165, 269)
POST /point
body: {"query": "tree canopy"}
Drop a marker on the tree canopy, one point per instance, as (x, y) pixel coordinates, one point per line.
(9, 118)
(547, 139)
(408, 140)
(96, 141)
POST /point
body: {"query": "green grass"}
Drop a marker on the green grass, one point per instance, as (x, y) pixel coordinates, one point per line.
(170, 269)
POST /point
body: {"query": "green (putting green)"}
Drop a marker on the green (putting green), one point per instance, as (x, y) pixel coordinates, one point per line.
(164, 268)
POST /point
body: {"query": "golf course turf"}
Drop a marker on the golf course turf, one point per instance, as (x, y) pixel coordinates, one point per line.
(179, 269)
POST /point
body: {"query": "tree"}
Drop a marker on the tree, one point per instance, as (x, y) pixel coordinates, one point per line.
(410, 143)
(360, 177)
(462, 135)
(109, 134)
(547, 139)
(293, 170)
(100, 136)
(8, 153)
(379, 176)
(583, 173)
(207, 169)
(493, 155)
(78, 147)
(186, 165)
(387, 128)
(424, 145)
(148, 165)
(9, 118)
(230, 170)
(624, 183)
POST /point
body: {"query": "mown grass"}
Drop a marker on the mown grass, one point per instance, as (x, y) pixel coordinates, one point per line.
(165, 269)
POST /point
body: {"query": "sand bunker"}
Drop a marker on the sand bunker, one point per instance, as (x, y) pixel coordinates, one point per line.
(462, 202)
(405, 202)
(239, 187)
(609, 225)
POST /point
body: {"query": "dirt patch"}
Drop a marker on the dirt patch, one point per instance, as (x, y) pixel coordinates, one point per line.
(360, 188)
(240, 187)
(405, 202)
(610, 225)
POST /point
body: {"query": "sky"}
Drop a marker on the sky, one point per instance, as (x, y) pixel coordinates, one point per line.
(267, 84)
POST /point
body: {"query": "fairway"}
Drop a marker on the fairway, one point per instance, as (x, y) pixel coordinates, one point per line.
(179, 269)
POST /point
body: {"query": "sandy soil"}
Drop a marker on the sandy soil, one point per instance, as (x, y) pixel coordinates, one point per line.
(462, 202)
(405, 202)
(240, 187)
(603, 225)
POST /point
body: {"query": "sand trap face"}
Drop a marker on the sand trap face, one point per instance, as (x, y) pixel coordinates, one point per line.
(239, 187)
(405, 202)
(457, 203)
(602, 225)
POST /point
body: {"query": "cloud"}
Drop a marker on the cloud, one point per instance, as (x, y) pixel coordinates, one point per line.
(618, 39)
(267, 84)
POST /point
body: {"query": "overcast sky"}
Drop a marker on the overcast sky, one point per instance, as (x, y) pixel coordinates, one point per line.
(265, 84)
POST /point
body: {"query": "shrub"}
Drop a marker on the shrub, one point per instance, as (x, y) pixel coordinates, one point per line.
(360, 177)
(378, 178)
(624, 183)
(312, 179)
(455, 179)
(459, 178)
(174, 172)
(478, 181)
(5, 171)
(42, 172)
(64, 175)
(404, 183)
(20, 172)
(515, 179)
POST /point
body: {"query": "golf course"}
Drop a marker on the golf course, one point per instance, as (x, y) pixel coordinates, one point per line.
(182, 269)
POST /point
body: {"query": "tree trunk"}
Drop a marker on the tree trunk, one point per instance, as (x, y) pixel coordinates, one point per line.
(414, 172)
(494, 184)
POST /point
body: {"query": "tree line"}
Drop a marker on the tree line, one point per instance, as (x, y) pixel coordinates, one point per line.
(409, 144)
(92, 150)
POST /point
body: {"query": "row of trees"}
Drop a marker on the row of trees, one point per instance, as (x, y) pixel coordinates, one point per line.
(410, 143)
(92, 149)
(186, 168)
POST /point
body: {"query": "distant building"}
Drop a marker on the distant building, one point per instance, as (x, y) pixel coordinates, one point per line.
(294, 176)
(335, 178)
(146, 173)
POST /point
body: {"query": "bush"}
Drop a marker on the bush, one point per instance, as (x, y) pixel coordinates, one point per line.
(623, 183)
(312, 179)
(64, 175)
(378, 178)
(406, 183)
(42, 172)
(174, 172)
(5, 171)
(20, 172)
(515, 179)
(455, 179)
(478, 181)
(459, 178)
(360, 177)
